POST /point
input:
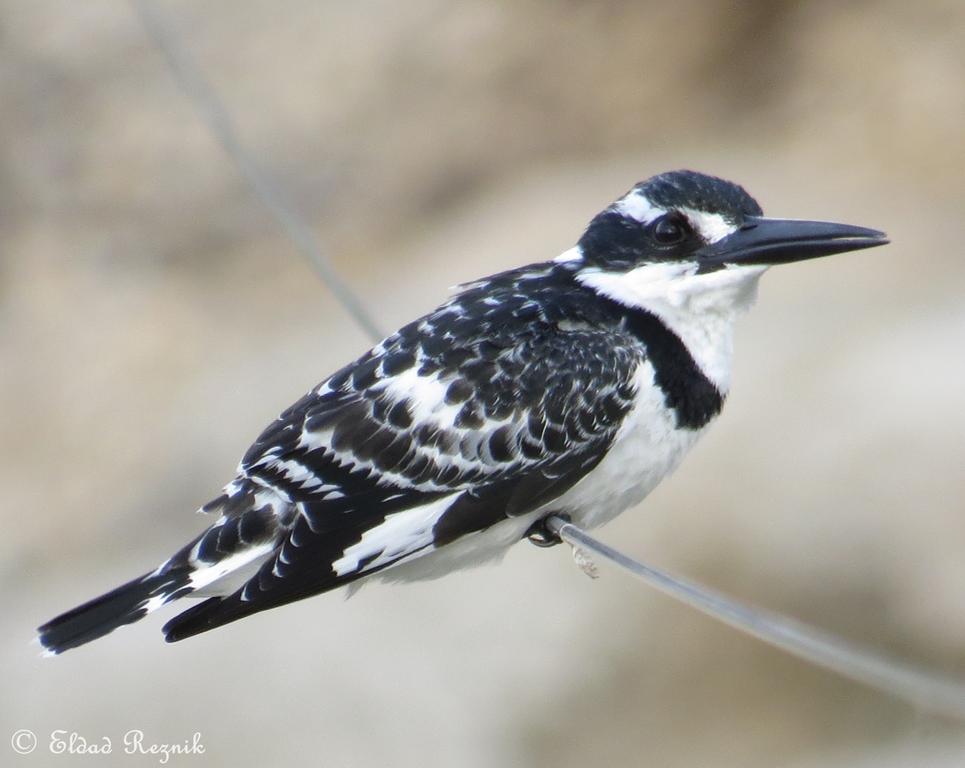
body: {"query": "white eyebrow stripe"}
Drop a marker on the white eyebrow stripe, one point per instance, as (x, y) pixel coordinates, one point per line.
(636, 206)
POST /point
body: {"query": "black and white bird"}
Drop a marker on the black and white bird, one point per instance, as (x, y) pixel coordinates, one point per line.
(569, 387)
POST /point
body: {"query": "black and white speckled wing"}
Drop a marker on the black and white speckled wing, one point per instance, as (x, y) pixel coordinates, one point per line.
(488, 408)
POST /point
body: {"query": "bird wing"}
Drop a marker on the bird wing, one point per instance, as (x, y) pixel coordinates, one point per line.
(454, 423)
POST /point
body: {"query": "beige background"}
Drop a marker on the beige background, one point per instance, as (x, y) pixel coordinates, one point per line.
(153, 318)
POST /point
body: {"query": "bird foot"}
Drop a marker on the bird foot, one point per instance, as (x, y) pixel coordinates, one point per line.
(539, 533)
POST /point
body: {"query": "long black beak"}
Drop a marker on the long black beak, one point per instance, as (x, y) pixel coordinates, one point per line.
(781, 241)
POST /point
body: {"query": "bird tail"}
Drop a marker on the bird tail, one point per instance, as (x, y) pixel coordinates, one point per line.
(125, 605)
(251, 522)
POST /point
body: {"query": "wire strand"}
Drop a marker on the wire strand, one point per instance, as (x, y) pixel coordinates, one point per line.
(215, 115)
(922, 688)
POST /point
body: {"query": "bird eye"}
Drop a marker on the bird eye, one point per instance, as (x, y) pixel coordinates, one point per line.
(668, 230)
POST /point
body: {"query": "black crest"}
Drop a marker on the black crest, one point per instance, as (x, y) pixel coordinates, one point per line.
(689, 189)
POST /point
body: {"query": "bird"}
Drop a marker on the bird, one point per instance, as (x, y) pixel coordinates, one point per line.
(569, 387)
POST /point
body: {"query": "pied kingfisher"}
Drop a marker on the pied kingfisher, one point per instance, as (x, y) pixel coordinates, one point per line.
(569, 387)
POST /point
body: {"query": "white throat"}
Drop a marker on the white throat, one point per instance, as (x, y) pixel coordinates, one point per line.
(699, 309)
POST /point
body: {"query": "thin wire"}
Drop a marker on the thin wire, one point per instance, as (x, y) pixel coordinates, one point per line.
(214, 113)
(922, 688)
(815, 646)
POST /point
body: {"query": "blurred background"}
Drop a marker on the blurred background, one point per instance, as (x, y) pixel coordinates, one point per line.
(153, 318)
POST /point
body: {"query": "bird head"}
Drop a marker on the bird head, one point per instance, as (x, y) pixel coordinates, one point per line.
(685, 238)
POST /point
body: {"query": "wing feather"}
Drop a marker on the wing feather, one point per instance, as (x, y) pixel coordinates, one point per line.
(488, 408)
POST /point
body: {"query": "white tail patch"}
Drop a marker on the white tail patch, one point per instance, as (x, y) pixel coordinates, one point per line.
(225, 576)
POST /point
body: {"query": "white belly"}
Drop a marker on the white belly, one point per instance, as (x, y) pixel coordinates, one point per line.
(648, 448)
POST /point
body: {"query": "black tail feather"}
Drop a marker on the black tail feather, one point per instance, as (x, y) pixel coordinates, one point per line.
(104, 614)
(218, 611)
(213, 612)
